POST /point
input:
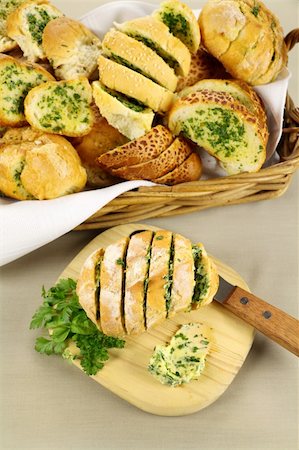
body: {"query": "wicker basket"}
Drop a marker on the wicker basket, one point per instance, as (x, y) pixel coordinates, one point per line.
(163, 201)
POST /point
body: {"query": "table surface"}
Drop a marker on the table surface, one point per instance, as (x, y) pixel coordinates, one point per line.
(47, 404)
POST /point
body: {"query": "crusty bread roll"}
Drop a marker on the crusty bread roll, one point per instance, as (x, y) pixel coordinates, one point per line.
(139, 150)
(175, 160)
(140, 280)
(61, 107)
(102, 138)
(223, 126)
(71, 48)
(130, 117)
(26, 24)
(42, 167)
(137, 56)
(135, 85)
(16, 79)
(246, 37)
(203, 65)
(241, 91)
(181, 22)
(6, 8)
(155, 34)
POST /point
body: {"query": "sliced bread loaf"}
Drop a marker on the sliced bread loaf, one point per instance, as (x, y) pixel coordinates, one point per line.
(6, 8)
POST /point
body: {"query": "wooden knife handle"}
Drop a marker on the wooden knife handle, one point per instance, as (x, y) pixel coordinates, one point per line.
(269, 320)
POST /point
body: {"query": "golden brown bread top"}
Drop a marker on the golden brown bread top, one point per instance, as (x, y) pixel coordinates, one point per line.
(45, 167)
(246, 37)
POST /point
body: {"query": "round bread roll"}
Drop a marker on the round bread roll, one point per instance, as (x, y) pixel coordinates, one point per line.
(246, 37)
(102, 138)
(43, 168)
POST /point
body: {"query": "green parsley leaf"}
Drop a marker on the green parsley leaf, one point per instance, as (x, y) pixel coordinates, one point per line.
(62, 315)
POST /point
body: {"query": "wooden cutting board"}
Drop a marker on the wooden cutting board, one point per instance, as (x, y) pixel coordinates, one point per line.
(125, 373)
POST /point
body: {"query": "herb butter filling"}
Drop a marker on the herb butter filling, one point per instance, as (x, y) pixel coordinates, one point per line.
(129, 102)
(37, 21)
(145, 283)
(169, 277)
(120, 60)
(98, 286)
(172, 62)
(200, 276)
(178, 25)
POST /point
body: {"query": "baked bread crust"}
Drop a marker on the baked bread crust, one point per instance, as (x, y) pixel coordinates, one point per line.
(43, 167)
(138, 151)
(181, 21)
(25, 25)
(223, 126)
(61, 107)
(136, 55)
(122, 79)
(71, 48)
(16, 79)
(156, 35)
(121, 114)
(246, 37)
(137, 266)
(189, 170)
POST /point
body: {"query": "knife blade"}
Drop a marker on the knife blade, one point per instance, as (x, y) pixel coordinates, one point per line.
(268, 319)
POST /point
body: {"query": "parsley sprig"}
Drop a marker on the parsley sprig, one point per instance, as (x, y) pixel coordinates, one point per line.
(62, 315)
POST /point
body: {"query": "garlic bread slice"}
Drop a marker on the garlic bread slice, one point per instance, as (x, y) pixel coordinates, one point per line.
(111, 291)
(137, 267)
(6, 8)
(61, 107)
(206, 277)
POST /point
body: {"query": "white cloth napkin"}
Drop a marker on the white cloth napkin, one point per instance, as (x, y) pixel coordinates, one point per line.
(28, 225)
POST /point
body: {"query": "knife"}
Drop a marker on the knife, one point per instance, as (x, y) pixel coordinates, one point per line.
(269, 320)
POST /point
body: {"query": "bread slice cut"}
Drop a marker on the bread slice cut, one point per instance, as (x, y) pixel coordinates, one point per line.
(137, 56)
(223, 127)
(16, 80)
(182, 276)
(189, 170)
(6, 8)
(111, 290)
(88, 285)
(128, 116)
(137, 267)
(240, 91)
(139, 150)
(71, 48)
(169, 159)
(26, 24)
(206, 277)
(181, 22)
(61, 107)
(155, 34)
(122, 79)
(156, 306)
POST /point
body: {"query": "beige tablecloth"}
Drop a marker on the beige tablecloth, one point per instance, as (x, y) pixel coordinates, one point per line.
(47, 404)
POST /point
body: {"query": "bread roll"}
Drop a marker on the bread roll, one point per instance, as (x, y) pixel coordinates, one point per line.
(223, 126)
(16, 79)
(137, 56)
(122, 79)
(140, 280)
(6, 8)
(246, 37)
(102, 138)
(42, 168)
(26, 24)
(71, 48)
(131, 118)
(155, 34)
(181, 22)
(61, 107)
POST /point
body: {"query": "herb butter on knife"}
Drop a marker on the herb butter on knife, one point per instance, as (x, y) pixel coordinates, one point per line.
(183, 359)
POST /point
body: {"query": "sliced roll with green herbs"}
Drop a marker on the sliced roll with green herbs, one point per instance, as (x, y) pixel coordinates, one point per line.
(136, 283)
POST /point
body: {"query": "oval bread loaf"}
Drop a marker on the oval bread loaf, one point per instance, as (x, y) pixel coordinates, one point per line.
(246, 37)
(137, 282)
